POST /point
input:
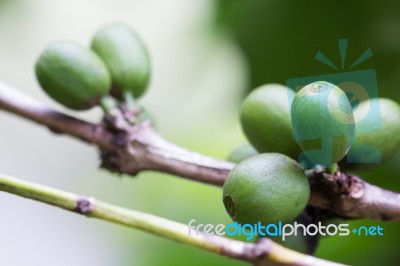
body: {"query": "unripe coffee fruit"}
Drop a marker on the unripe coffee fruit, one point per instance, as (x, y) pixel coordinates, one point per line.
(266, 188)
(72, 75)
(377, 134)
(266, 122)
(323, 122)
(126, 58)
(242, 152)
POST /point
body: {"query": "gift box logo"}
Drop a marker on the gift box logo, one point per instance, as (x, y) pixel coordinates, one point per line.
(359, 86)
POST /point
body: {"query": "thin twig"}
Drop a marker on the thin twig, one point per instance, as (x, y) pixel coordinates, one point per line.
(257, 253)
(19, 103)
(346, 195)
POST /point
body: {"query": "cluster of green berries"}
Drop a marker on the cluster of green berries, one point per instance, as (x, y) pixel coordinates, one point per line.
(289, 131)
(79, 78)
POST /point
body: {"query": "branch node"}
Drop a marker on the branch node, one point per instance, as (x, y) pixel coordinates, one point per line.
(357, 187)
(261, 249)
(84, 205)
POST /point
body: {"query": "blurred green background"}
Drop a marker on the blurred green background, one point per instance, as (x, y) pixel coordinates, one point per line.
(206, 56)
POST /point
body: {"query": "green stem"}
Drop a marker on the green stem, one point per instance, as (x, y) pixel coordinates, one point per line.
(105, 104)
(332, 169)
(129, 100)
(101, 210)
(268, 251)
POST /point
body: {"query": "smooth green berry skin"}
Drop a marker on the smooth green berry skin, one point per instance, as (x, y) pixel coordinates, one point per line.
(377, 137)
(241, 153)
(266, 122)
(323, 122)
(126, 58)
(72, 75)
(267, 188)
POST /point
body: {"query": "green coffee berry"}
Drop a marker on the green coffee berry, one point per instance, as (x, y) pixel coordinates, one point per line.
(126, 58)
(266, 121)
(242, 152)
(323, 122)
(377, 134)
(72, 75)
(267, 188)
